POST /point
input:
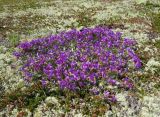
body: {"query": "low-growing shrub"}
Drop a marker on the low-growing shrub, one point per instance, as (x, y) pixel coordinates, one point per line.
(83, 62)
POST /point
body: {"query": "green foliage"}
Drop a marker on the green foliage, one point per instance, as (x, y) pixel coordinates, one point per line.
(157, 86)
(157, 43)
(155, 19)
(151, 5)
(84, 17)
(34, 102)
(27, 98)
(13, 39)
(149, 9)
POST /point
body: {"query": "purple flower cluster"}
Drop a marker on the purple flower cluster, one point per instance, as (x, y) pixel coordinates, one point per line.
(79, 60)
(109, 96)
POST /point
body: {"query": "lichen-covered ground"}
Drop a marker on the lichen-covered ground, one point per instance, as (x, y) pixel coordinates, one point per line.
(29, 19)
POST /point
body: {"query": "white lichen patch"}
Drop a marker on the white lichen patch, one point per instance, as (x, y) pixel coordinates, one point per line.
(44, 111)
(51, 100)
(151, 106)
(152, 65)
(116, 9)
(15, 112)
(151, 50)
(9, 75)
(129, 106)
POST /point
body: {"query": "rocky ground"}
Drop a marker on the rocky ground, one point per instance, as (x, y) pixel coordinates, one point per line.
(26, 20)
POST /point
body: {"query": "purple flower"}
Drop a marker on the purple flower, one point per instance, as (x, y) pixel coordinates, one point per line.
(80, 60)
(63, 84)
(106, 94)
(112, 81)
(25, 45)
(48, 70)
(17, 54)
(137, 62)
(127, 83)
(95, 91)
(44, 82)
(112, 98)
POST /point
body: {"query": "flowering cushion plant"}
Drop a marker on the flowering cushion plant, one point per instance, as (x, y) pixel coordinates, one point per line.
(86, 60)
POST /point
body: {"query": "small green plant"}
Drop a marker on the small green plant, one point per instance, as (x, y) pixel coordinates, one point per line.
(157, 44)
(84, 18)
(13, 39)
(155, 19)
